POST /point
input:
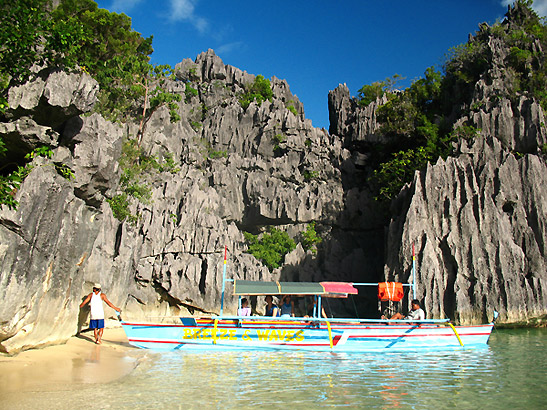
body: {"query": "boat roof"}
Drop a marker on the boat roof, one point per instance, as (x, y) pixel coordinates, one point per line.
(325, 289)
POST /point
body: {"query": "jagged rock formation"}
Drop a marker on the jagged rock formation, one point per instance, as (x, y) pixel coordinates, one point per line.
(478, 223)
(478, 219)
(349, 119)
(239, 170)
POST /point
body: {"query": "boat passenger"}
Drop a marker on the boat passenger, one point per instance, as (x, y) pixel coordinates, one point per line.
(416, 313)
(287, 306)
(311, 308)
(244, 310)
(271, 309)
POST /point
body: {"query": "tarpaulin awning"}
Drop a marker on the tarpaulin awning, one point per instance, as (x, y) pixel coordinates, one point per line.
(251, 287)
(339, 287)
(301, 288)
(258, 288)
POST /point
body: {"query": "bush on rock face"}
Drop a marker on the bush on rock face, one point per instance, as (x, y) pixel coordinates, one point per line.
(77, 35)
(419, 119)
(260, 90)
(310, 239)
(271, 247)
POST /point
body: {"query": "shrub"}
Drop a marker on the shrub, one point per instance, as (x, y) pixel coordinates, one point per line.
(370, 93)
(135, 166)
(120, 208)
(309, 175)
(310, 239)
(260, 90)
(290, 107)
(217, 154)
(196, 125)
(278, 139)
(10, 183)
(393, 174)
(271, 247)
(190, 92)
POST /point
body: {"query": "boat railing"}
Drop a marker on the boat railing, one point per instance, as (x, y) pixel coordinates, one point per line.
(331, 320)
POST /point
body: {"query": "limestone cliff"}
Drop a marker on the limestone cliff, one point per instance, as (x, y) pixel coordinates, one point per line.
(477, 219)
(271, 168)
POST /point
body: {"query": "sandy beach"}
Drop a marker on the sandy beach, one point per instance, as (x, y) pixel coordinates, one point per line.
(68, 366)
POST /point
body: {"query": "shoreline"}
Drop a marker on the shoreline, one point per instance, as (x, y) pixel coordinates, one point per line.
(67, 366)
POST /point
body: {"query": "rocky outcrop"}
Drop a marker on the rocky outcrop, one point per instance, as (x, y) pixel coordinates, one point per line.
(478, 219)
(237, 170)
(355, 122)
(495, 108)
(48, 239)
(478, 223)
(53, 97)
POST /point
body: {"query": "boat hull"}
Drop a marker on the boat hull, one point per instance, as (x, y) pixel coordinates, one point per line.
(303, 335)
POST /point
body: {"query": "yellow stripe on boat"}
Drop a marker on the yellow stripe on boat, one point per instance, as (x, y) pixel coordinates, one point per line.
(456, 333)
(215, 332)
(330, 335)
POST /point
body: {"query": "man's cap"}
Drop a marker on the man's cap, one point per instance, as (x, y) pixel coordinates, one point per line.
(97, 286)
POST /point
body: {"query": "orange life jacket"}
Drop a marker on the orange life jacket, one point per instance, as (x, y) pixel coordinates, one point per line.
(390, 291)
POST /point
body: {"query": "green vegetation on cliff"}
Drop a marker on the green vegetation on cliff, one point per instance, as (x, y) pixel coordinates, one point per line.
(271, 247)
(310, 238)
(135, 167)
(418, 120)
(9, 184)
(76, 35)
(259, 90)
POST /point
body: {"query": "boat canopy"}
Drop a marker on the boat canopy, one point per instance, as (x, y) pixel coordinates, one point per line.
(324, 289)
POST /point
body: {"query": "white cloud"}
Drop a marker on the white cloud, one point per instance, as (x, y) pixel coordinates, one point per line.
(540, 6)
(183, 10)
(228, 48)
(123, 6)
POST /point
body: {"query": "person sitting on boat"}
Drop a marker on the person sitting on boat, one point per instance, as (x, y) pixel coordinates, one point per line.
(416, 313)
(271, 309)
(244, 310)
(312, 307)
(287, 306)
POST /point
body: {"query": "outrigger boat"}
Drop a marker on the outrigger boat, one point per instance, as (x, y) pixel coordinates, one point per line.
(303, 333)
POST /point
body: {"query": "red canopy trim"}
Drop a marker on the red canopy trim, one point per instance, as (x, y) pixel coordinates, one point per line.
(339, 287)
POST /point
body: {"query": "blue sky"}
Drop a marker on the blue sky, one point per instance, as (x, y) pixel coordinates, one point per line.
(313, 44)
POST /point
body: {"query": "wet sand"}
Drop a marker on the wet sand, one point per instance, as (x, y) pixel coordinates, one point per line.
(66, 367)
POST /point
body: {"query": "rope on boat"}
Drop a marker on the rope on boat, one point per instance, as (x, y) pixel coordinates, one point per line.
(330, 334)
(215, 332)
(456, 333)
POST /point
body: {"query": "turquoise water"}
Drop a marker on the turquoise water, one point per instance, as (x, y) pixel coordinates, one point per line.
(509, 373)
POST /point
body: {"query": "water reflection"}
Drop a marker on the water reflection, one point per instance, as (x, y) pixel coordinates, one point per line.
(307, 379)
(510, 373)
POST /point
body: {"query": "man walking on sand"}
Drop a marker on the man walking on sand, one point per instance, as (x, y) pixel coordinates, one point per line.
(97, 312)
